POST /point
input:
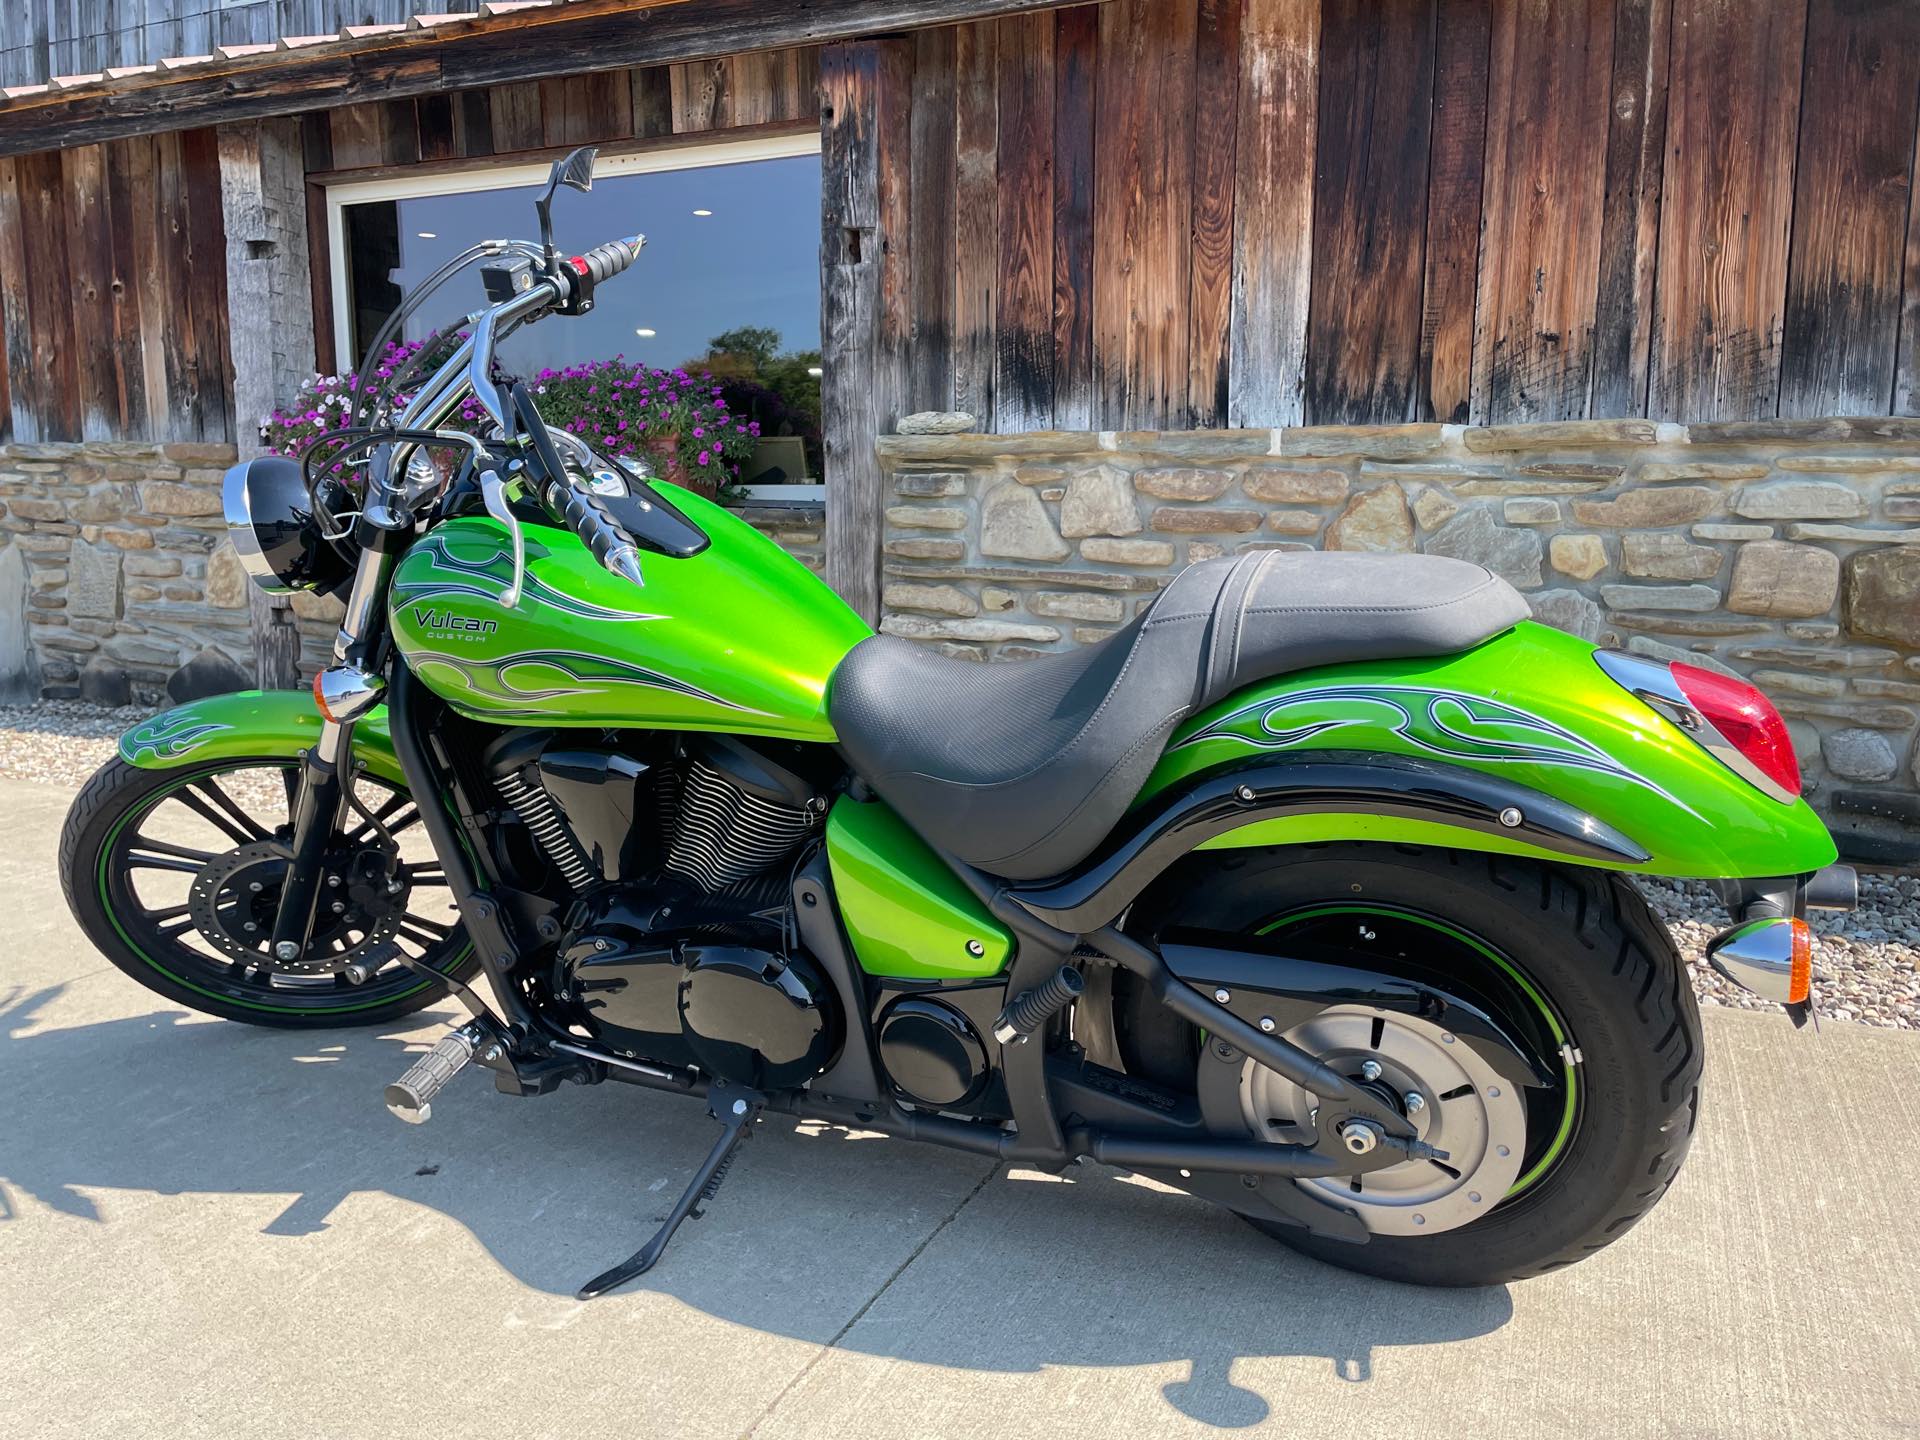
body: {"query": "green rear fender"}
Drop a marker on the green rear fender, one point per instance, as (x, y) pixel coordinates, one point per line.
(1530, 706)
(252, 725)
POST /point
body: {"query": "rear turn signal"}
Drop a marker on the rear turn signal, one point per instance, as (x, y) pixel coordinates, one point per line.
(1746, 721)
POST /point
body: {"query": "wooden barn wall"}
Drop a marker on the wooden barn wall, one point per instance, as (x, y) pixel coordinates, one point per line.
(774, 89)
(1168, 213)
(113, 292)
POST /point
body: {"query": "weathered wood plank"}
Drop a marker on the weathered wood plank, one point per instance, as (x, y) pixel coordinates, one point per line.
(125, 298)
(1369, 212)
(1273, 210)
(757, 83)
(1906, 380)
(1457, 161)
(359, 136)
(1076, 60)
(701, 100)
(24, 402)
(930, 239)
(1143, 204)
(587, 108)
(976, 217)
(54, 396)
(520, 46)
(400, 133)
(1540, 243)
(204, 282)
(438, 132)
(866, 141)
(1630, 211)
(145, 220)
(1726, 207)
(517, 123)
(473, 122)
(1210, 298)
(1852, 196)
(1023, 285)
(260, 182)
(652, 101)
(86, 277)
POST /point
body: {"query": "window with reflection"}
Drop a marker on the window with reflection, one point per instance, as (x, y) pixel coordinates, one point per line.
(728, 287)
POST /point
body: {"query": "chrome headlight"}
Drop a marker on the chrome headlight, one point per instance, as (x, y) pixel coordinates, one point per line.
(271, 522)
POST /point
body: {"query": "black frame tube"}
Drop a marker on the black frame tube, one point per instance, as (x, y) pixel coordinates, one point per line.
(478, 910)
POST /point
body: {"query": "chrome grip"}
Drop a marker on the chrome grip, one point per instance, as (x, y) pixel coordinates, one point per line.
(587, 517)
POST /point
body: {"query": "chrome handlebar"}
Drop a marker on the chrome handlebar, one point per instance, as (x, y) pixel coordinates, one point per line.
(469, 370)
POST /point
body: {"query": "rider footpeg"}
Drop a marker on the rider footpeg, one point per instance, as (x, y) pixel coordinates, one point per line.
(411, 1096)
(1031, 1009)
(736, 1108)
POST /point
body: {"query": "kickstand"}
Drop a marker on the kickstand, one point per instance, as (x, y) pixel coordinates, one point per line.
(736, 1108)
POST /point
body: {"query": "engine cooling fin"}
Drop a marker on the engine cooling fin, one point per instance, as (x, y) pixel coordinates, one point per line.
(725, 835)
(536, 809)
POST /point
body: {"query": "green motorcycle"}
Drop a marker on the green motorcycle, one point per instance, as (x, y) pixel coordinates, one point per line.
(1308, 892)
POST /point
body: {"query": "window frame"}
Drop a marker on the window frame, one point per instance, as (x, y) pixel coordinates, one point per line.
(422, 181)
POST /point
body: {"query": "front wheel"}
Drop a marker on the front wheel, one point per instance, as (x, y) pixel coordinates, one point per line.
(1571, 959)
(175, 875)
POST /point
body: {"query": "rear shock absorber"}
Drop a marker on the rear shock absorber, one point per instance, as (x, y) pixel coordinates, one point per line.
(1031, 1009)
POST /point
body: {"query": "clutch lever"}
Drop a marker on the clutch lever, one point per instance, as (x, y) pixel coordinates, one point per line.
(494, 491)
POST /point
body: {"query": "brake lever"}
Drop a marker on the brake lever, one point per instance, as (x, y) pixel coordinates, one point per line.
(494, 491)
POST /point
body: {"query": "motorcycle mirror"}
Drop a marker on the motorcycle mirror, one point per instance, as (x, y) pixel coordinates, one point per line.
(575, 171)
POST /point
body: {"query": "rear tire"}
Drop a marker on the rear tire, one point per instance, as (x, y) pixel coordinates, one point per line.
(1587, 943)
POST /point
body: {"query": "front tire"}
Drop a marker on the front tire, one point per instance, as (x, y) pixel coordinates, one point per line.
(139, 857)
(1584, 949)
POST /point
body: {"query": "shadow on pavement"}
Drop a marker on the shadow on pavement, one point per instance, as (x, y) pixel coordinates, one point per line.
(1007, 1272)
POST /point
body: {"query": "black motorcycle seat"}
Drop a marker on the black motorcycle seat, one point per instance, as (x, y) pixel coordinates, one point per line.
(1021, 769)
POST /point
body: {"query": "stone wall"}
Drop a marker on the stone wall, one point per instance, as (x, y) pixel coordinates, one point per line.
(1786, 552)
(117, 582)
(128, 579)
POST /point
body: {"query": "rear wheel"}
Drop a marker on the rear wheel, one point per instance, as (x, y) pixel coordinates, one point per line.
(1570, 961)
(176, 874)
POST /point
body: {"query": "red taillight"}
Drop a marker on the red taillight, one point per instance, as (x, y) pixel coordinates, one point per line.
(1747, 720)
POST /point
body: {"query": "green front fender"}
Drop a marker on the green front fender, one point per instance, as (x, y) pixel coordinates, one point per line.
(252, 725)
(1530, 706)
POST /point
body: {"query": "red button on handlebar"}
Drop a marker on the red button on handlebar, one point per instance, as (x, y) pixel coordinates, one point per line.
(579, 264)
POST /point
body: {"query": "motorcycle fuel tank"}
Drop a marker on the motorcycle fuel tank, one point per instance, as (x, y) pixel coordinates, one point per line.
(740, 637)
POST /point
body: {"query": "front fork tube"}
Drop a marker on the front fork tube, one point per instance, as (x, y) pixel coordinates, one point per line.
(317, 806)
(316, 812)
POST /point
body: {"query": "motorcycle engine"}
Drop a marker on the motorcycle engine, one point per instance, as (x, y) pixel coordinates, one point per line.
(676, 948)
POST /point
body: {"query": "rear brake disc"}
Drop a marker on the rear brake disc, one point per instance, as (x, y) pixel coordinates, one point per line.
(1454, 1100)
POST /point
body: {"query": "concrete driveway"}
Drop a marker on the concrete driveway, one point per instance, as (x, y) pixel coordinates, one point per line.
(210, 1229)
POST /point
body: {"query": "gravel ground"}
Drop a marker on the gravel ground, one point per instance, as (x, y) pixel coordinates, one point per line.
(1866, 965)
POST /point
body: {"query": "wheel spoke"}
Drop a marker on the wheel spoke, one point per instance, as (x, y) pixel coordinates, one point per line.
(172, 912)
(393, 805)
(168, 847)
(194, 798)
(410, 819)
(210, 787)
(425, 933)
(137, 861)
